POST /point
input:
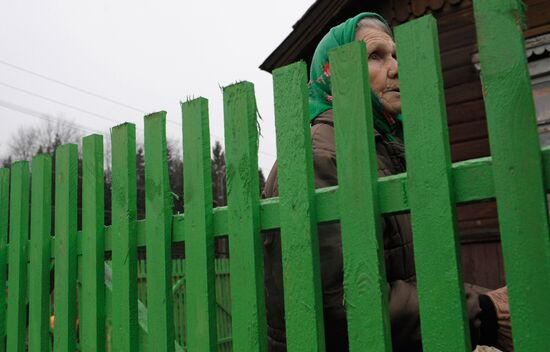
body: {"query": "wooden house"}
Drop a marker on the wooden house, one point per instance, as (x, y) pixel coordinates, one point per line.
(478, 223)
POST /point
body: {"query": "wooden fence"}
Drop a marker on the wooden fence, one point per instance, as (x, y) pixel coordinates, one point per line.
(517, 175)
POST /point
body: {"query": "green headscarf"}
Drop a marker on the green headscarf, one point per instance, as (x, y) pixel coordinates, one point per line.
(320, 91)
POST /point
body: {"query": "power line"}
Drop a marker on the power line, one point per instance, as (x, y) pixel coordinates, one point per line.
(41, 115)
(60, 103)
(81, 90)
(78, 89)
(85, 91)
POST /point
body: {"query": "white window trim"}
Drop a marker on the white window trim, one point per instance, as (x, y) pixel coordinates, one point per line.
(539, 70)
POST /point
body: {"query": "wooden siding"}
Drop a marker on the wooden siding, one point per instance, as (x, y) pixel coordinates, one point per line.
(478, 223)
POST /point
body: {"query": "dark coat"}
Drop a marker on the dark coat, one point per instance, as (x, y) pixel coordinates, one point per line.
(398, 250)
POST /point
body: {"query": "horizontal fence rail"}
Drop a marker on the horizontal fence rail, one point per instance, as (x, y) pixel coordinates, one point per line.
(105, 297)
(472, 182)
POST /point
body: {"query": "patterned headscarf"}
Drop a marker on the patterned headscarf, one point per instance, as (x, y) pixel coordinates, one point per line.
(320, 90)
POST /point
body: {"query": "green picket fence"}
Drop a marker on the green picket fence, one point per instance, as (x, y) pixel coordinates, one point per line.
(517, 175)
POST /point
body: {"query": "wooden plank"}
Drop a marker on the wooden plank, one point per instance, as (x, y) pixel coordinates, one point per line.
(482, 264)
(530, 3)
(476, 148)
(17, 267)
(436, 4)
(39, 277)
(418, 7)
(66, 182)
(465, 112)
(517, 170)
(158, 208)
(124, 262)
(460, 56)
(453, 38)
(299, 242)
(92, 311)
(468, 131)
(243, 207)
(402, 10)
(535, 31)
(460, 75)
(463, 93)
(439, 279)
(365, 286)
(199, 243)
(482, 210)
(4, 213)
(538, 15)
(478, 225)
(458, 17)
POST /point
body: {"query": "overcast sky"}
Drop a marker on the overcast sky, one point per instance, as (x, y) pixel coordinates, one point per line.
(147, 55)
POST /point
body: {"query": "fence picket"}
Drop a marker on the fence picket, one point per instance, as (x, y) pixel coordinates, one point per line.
(200, 298)
(17, 274)
(124, 251)
(158, 208)
(439, 279)
(362, 244)
(92, 312)
(40, 252)
(66, 181)
(243, 201)
(517, 169)
(299, 242)
(4, 213)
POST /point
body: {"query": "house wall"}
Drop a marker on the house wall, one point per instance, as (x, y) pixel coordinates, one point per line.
(478, 223)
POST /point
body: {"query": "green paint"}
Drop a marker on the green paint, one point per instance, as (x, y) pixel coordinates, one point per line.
(66, 177)
(243, 199)
(517, 175)
(299, 243)
(158, 205)
(39, 276)
(124, 254)
(436, 254)
(92, 304)
(4, 213)
(473, 181)
(517, 169)
(200, 298)
(19, 232)
(365, 284)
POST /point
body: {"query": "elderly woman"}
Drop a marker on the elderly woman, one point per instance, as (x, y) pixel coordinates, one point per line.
(486, 311)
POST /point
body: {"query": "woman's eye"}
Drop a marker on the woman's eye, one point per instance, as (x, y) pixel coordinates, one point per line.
(374, 56)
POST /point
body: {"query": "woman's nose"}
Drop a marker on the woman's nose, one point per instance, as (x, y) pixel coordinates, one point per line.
(392, 68)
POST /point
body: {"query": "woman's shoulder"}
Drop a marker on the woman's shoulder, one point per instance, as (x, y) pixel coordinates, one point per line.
(322, 133)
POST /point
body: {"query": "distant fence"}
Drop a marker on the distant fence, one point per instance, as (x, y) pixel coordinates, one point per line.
(517, 175)
(223, 300)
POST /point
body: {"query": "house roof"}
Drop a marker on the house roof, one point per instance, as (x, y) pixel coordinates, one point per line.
(324, 14)
(305, 33)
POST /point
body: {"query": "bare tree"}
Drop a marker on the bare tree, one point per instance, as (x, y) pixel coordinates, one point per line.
(43, 138)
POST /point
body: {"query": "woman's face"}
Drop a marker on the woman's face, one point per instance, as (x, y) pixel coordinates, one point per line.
(383, 77)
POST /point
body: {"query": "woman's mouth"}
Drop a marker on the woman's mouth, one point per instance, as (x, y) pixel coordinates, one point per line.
(393, 90)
